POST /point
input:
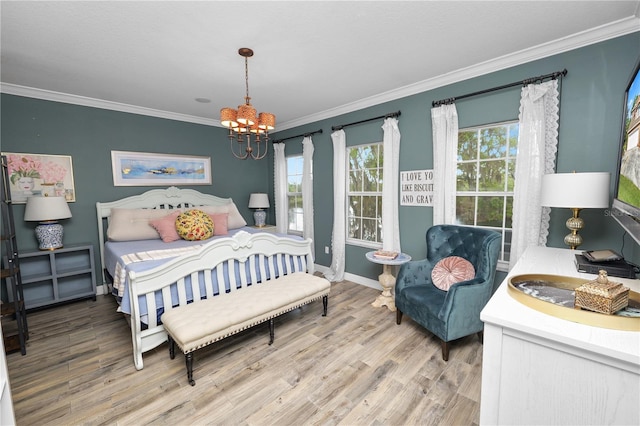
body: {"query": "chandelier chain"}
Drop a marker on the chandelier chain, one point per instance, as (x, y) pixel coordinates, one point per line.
(246, 79)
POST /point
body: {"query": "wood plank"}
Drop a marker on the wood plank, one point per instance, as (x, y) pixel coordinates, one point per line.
(355, 366)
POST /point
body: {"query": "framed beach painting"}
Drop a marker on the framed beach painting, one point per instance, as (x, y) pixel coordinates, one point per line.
(40, 174)
(149, 169)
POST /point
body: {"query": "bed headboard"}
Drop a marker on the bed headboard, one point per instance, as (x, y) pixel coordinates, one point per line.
(169, 198)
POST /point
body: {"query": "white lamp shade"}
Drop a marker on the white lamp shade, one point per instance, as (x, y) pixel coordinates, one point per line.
(41, 209)
(576, 190)
(258, 201)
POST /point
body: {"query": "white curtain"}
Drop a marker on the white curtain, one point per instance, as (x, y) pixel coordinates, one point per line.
(338, 238)
(537, 147)
(280, 188)
(307, 190)
(390, 171)
(444, 120)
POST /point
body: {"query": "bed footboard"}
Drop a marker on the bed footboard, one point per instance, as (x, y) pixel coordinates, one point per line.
(221, 267)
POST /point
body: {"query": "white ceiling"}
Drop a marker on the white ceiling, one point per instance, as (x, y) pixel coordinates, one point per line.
(313, 59)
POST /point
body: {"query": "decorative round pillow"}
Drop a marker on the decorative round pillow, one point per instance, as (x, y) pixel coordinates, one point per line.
(451, 270)
(194, 225)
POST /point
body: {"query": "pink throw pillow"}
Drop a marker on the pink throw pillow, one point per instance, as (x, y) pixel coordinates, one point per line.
(166, 226)
(451, 270)
(220, 223)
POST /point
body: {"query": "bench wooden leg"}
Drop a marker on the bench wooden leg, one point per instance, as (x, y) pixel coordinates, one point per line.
(172, 348)
(325, 302)
(188, 358)
(271, 330)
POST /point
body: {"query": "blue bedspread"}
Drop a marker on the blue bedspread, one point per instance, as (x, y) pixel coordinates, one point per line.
(142, 255)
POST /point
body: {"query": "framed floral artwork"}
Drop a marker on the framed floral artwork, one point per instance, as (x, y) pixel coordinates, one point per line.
(151, 169)
(40, 174)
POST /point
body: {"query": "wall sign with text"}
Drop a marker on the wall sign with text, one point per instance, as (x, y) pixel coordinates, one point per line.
(416, 188)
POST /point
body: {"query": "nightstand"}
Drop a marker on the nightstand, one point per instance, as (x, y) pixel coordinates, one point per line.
(54, 276)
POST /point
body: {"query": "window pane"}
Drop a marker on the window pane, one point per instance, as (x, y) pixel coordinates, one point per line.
(370, 206)
(295, 183)
(507, 244)
(492, 176)
(465, 210)
(296, 219)
(355, 181)
(490, 211)
(467, 145)
(511, 174)
(294, 165)
(355, 205)
(369, 230)
(493, 142)
(355, 228)
(508, 220)
(466, 176)
(370, 180)
(513, 139)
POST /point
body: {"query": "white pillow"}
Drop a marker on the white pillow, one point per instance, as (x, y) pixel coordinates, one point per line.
(235, 219)
(133, 224)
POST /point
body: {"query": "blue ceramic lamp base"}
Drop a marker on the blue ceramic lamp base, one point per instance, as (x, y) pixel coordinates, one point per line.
(259, 216)
(49, 235)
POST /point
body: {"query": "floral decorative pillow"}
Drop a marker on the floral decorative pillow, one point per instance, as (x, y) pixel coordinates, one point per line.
(451, 270)
(194, 225)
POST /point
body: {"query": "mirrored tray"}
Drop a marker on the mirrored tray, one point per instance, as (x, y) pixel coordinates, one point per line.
(554, 295)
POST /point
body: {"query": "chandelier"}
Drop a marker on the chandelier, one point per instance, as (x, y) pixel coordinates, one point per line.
(248, 131)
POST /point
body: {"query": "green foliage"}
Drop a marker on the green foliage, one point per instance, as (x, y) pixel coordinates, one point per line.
(628, 192)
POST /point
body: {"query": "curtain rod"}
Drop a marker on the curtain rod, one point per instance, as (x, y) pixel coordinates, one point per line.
(297, 136)
(342, 126)
(541, 78)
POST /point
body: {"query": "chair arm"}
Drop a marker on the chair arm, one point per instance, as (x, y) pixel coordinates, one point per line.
(474, 294)
(416, 272)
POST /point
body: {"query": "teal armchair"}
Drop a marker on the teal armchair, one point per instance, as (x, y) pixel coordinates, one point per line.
(451, 314)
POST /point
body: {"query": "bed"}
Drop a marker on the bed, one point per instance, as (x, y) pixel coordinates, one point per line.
(135, 249)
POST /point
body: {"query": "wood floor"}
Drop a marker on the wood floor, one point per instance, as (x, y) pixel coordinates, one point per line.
(353, 367)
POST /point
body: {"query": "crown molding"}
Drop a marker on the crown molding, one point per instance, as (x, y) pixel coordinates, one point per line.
(595, 35)
(48, 95)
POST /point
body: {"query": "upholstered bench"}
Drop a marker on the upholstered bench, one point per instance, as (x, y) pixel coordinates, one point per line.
(203, 322)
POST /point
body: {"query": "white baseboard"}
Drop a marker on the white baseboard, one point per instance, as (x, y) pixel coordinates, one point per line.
(368, 282)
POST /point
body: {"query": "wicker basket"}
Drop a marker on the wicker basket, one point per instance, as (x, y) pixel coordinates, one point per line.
(602, 295)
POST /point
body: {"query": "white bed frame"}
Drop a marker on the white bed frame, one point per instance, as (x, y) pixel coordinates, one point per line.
(270, 249)
(170, 198)
(267, 249)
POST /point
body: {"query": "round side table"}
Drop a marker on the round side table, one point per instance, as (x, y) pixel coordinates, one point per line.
(386, 279)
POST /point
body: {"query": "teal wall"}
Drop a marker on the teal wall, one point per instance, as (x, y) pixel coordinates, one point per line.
(591, 113)
(592, 96)
(89, 134)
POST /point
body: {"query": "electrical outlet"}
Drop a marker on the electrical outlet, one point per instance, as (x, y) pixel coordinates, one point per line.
(326, 249)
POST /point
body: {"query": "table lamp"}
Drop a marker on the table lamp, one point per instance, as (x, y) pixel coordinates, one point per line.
(575, 191)
(47, 211)
(259, 201)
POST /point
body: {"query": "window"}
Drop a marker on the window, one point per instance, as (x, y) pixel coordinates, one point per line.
(485, 177)
(294, 193)
(364, 195)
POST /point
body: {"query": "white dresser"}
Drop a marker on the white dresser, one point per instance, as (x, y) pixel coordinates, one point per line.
(538, 369)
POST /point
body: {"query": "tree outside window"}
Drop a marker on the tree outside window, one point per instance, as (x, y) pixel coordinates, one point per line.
(364, 194)
(485, 178)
